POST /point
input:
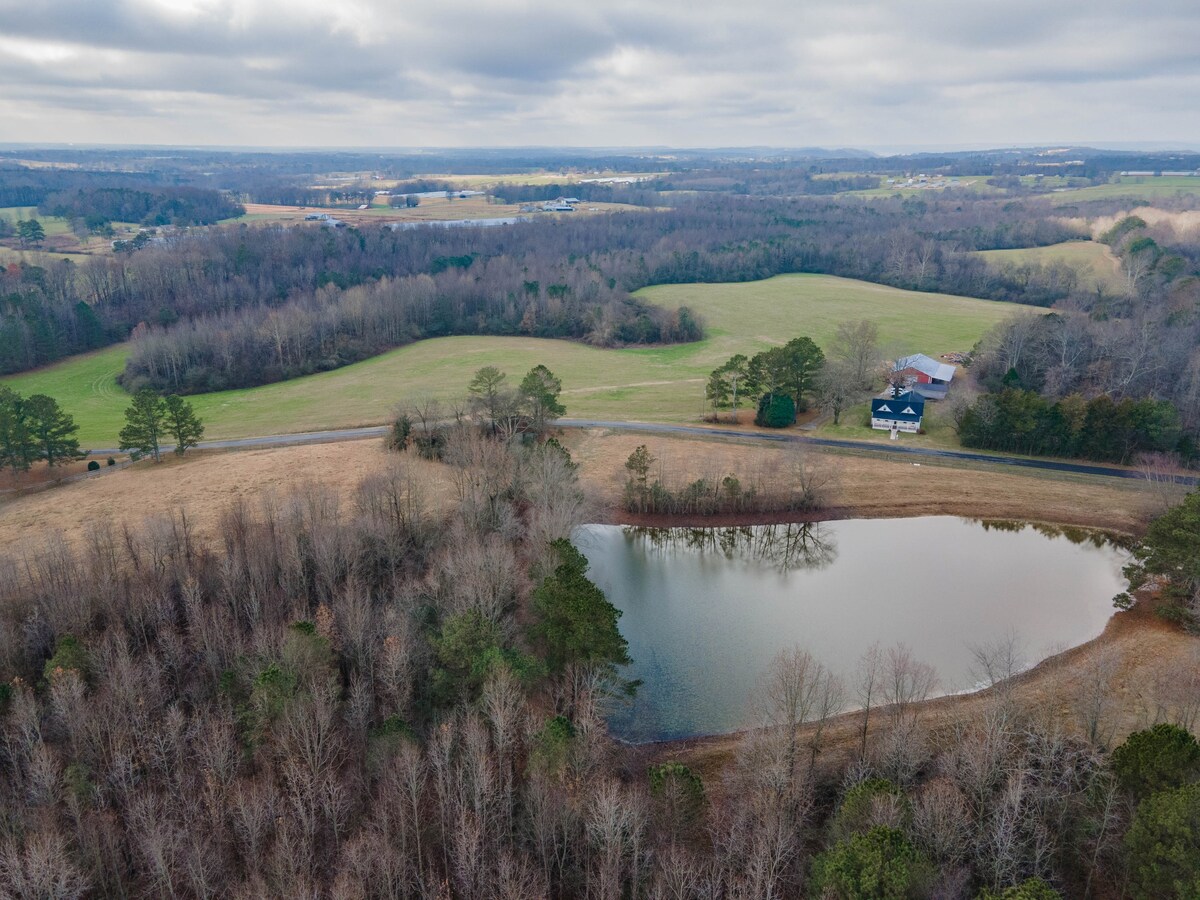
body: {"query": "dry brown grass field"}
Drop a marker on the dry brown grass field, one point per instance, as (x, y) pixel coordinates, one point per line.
(202, 484)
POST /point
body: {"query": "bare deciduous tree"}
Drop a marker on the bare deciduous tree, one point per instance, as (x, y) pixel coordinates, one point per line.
(856, 346)
(906, 681)
(40, 868)
(1095, 696)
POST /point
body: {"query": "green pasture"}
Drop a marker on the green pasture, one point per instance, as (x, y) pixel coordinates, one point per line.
(52, 225)
(39, 257)
(1134, 187)
(1094, 261)
(661, 384)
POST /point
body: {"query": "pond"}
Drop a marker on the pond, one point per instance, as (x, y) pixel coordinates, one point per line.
(705, 609)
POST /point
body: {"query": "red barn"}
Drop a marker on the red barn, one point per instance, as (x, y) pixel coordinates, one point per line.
(924, 375)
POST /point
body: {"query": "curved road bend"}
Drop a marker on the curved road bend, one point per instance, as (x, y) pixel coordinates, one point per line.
(349, 434)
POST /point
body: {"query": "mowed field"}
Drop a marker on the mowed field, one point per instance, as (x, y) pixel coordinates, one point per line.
(60, 242)
(654, 384)
(1138, 187)
(1094, 261)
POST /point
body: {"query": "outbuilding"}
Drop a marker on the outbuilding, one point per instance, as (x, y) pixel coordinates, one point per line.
(923, 374)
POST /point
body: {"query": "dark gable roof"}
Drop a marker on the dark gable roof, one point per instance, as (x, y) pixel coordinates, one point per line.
(905, 408)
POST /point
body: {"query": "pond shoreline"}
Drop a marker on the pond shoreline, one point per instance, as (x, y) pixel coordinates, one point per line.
(883, 510)
(1142, 648)
(736, 595)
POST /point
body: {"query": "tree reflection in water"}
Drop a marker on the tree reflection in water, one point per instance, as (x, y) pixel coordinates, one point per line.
(789, 547)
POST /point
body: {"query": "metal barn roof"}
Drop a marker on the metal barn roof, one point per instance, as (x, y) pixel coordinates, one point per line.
(926, 365)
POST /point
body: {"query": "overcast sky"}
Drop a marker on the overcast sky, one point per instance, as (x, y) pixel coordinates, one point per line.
(865, 73)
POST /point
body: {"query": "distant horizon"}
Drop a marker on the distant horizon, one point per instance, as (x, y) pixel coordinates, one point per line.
(588, 73)
(881, 150)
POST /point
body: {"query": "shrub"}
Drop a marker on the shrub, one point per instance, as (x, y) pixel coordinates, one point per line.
(775, 411)
(110, 461)
(855, 813)
(1157, 759)
(878, 865)
(552, 745)
(397, 437)
(1031, 889)
(93, 466)
(68, 654)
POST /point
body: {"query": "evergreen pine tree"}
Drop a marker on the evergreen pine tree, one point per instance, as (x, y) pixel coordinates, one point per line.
(53, 431)
(17, 447)
(182, 423)
(145, 423)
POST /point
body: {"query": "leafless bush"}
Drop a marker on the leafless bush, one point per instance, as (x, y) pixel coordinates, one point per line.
(903, 752)
(1159, 471)
(941, 823)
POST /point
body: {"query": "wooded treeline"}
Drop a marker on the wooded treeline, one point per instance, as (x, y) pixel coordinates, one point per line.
(779, 180)
(97, 206)
(357, 697)
(910, 244)
(24, 186)
(1102, 429)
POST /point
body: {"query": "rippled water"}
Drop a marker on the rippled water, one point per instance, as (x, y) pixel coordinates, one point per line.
(705, 609)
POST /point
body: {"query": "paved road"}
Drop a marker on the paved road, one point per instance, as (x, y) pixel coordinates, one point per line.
(349, 434)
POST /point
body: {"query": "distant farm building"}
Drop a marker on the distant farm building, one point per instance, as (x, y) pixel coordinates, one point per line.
(900, 413)
(924, 375)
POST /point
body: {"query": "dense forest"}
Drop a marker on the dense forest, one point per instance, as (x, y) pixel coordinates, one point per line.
(24, 186)
(251, 271)
(375, 696)
(156, 206)
(1106, 375)
(780, 179)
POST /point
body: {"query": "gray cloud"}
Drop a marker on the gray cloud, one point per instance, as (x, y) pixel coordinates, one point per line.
(598, 72)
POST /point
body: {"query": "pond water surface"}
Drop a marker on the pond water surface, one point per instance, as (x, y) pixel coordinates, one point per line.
(705, 609)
